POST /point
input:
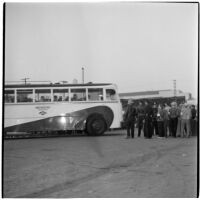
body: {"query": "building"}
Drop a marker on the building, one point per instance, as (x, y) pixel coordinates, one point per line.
(155, 94)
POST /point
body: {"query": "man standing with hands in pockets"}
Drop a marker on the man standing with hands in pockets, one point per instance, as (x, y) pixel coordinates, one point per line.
(129, 119)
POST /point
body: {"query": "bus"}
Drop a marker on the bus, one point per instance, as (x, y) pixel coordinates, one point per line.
(44, 108)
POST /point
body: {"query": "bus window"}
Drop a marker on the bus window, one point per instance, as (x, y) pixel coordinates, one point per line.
(60, 95)
(24, 96)
(111, 94)
(42, 95)
(95, 94)
(9, 96)
(78, 95)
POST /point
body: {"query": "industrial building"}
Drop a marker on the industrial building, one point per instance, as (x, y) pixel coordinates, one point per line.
(155, 94)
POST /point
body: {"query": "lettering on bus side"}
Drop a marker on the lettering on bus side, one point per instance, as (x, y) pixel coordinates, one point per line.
(42, 109)
(42, 112)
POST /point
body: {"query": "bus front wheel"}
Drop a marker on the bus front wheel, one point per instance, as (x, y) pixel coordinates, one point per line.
(96, 125)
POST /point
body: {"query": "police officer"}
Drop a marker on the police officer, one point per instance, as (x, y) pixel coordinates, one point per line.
(148, 124)
(140, 115)
(129, 119)
(155, 122)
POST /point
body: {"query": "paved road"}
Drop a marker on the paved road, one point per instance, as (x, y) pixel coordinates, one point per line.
(106, 166)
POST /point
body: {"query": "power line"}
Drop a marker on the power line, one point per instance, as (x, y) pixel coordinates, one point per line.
(24, 79)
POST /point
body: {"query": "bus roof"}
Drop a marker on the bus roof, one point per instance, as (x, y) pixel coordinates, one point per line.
(54, 85)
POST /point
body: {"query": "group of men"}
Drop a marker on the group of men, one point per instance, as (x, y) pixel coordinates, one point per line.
(160, 120)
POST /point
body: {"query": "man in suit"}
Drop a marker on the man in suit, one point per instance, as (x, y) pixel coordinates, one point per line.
(129, 119)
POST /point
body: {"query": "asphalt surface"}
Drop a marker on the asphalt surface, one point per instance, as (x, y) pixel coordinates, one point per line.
(105, 166)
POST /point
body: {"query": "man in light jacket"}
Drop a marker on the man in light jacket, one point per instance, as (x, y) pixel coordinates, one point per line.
(185, 120)
(173, 115)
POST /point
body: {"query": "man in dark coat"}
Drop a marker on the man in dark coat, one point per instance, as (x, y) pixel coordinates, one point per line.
(140, 115)
(148, 124)
(193, 120)
(129, 119)
(155, 124)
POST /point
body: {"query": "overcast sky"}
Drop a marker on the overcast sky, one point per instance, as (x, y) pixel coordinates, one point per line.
(138, 46)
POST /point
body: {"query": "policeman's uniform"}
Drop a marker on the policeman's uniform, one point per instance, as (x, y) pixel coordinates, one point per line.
(130, 115)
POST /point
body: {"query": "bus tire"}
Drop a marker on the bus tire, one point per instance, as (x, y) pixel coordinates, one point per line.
(96, 125)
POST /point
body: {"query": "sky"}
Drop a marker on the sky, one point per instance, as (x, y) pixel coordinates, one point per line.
(138, 46)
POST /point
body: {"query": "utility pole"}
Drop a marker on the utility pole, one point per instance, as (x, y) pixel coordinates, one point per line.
(24, 79)
(174, 84)
(82, 74)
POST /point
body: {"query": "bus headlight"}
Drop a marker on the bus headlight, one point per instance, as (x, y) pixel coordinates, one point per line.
(70, 120)
(63, 120)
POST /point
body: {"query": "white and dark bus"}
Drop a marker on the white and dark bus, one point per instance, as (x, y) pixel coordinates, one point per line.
(35, 108)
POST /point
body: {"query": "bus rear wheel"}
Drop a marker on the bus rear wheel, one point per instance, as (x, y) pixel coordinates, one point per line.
(96, 125)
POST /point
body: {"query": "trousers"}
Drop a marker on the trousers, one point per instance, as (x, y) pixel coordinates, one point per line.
(130, 128)
(185, 123)
(174, 122)
(140, 124)
(165, 123)
(155, 127)
(148, 127)
(161, 131)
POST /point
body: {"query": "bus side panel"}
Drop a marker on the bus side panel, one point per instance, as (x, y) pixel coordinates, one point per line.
(19, 114)
(117, 110)
(67, 121)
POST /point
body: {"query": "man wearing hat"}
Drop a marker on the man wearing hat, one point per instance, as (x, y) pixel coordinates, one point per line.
(155, 123)
(148, 124)
(185, 120)
(129, 119)
(140, 115)
(173, 115)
